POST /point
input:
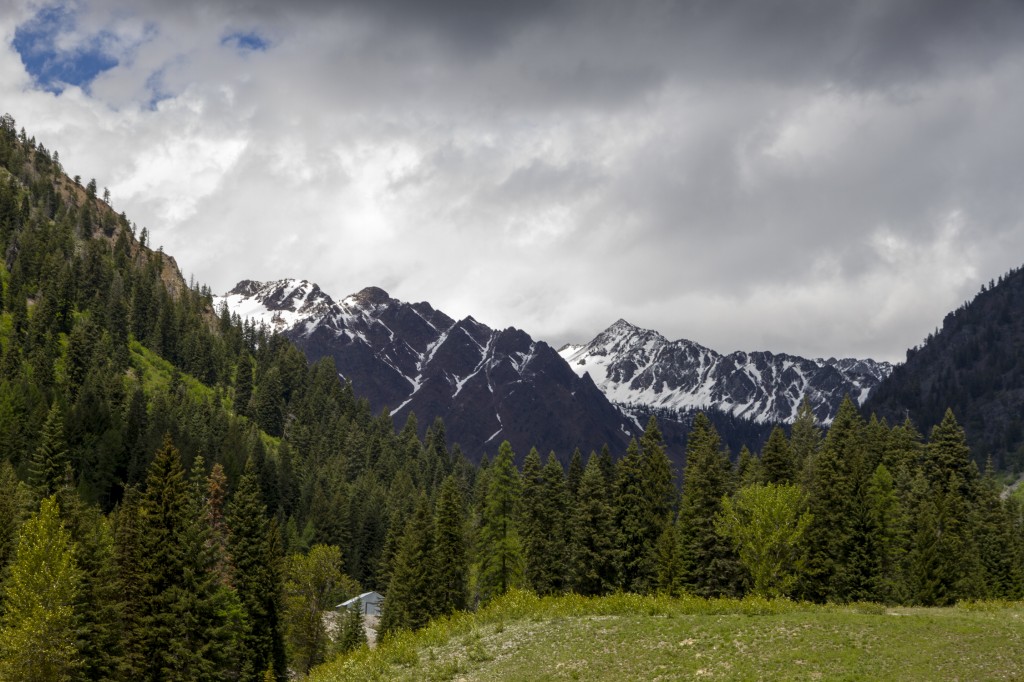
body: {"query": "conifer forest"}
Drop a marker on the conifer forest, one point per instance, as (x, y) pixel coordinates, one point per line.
(183, 496)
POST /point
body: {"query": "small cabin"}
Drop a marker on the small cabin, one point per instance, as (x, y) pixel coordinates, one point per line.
(370, 601)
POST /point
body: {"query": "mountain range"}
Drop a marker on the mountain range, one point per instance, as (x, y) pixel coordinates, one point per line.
(493, 385)
(487, 385)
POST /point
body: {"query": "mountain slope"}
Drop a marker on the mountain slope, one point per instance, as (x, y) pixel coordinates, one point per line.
(974, 365)
(488, 385)
(635, 366)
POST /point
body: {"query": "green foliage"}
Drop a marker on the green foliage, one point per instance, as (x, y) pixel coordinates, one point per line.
(709, 565)
(314, 583)
(544, 507)
(593, 541)
(37, 629)
(766, 523)
(412, 597)
(255, 550)
(500, 547)
(451, 559)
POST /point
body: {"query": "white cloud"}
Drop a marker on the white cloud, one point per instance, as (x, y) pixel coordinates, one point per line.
(691, 175)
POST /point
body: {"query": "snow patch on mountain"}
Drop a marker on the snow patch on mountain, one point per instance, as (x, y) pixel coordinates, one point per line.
(632, 365)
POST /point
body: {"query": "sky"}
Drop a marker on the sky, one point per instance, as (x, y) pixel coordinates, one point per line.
(823, 179)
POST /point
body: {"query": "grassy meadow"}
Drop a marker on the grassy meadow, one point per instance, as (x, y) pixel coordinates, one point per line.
(629, 637)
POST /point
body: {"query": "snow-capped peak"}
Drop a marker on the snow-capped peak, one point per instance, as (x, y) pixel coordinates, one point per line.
(632, 365)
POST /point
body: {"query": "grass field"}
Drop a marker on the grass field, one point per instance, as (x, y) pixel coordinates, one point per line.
(625, 637)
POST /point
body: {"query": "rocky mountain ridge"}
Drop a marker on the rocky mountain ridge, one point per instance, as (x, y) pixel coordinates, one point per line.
(488, 385)
(634, 366)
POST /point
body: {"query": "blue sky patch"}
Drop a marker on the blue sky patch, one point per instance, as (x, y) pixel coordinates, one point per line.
(246, 42)
(35, 41)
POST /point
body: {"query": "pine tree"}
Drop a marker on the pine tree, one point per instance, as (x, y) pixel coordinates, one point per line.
(243, 385)
(748, 468)
(777, 458)
(710, 566)
(100, 605)
(544, 500)
(451, 559)
(499, 551)
(412, 593)
(255, 550)
(804, 440)
(129, 559)
(352, 635)
(947, 452)
(50, 460)
(593, 554)
(834, 498)
(37, 628)
(192, 621)
(644, 497)
(575, 472)
(887, 538)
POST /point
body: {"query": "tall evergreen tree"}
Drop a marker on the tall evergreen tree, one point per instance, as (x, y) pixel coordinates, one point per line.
(777, 458)
(833, 497)
(544, 501)
(500, 551)
(887, 538)
(255, 548)
(710, 566)
(804, 439)
(14, 503)
(191, 621)
(99, 605)
(49, 462)
(412, 593)
(451, 560)
(644, 498)
(593, 553)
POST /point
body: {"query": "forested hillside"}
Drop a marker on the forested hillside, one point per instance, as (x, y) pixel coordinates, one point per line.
(974, 365)
(182, 496)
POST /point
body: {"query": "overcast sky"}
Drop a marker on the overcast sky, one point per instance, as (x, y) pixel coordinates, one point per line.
(820, 178)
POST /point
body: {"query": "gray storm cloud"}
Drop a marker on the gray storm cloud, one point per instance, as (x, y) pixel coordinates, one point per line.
(815, 178)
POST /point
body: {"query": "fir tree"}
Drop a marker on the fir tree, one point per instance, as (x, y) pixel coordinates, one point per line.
(575, 472)
(450, 559)
(777, 458)
(710, 566)
(804, 440)
(833, 497)
(352, 634)
(14, 502)
(50, 460)
(500, 552)
(544, 501)
(593, 554)
(100, 604)
(191, 621)
(644, 496)
(887, 538)
(412, 593)
(255, 550)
